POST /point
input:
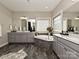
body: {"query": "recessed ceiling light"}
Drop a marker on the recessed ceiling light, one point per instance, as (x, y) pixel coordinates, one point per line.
(73, 0)
(23, 17)
(77, 17)
(46, 7)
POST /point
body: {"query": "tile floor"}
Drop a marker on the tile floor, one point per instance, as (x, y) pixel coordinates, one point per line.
(25, 51)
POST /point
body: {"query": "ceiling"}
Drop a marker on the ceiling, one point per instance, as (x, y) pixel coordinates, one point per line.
(30, 5)
(73, 8)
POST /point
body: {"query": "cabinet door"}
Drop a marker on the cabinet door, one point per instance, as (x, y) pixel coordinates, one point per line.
(62, 52)
(21, 38)
(30, 37)
(72, 55)
(11, 37)
(55, 46)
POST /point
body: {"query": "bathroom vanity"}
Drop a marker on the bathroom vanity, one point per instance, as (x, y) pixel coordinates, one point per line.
(20, 37)
(66, 47)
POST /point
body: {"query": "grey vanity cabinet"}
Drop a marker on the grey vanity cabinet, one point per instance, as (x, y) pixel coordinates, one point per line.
(20, 37)
(11, 37)
(59, 49)
(62, 50)
(72, 55)
(55, 45)
(30, 37)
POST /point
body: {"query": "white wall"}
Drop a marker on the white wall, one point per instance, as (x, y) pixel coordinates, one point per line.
(63, 5)
(5, 21)
(70, 15)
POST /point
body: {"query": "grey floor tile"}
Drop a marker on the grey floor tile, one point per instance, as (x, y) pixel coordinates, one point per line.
(25, 51)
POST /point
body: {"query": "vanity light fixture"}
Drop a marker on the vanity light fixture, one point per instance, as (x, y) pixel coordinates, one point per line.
(46, 7)
(77, 17)
(74, 0)
(23, 17)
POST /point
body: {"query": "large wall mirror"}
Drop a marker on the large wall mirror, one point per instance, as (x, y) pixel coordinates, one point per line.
(35, 24)
(71, 19)
(28, 24)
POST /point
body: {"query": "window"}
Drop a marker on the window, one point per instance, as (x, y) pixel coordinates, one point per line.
(58, 23)
(42, 25)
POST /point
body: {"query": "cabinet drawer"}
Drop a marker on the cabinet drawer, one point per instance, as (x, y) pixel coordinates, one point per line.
(66, 49)
(69, 44)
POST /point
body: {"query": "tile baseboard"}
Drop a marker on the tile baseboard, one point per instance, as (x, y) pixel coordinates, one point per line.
(3, 44)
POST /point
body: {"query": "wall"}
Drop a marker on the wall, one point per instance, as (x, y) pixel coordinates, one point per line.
(70, 15)
(5, 21)
(63, 5)
(36, 15)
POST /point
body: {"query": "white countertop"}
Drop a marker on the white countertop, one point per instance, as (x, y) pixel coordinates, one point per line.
(44, 37)
(71, 37)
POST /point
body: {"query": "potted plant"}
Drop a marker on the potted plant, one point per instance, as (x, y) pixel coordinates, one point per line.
(49, 29)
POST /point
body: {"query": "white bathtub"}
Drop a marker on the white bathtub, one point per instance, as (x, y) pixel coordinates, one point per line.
(44, 37)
